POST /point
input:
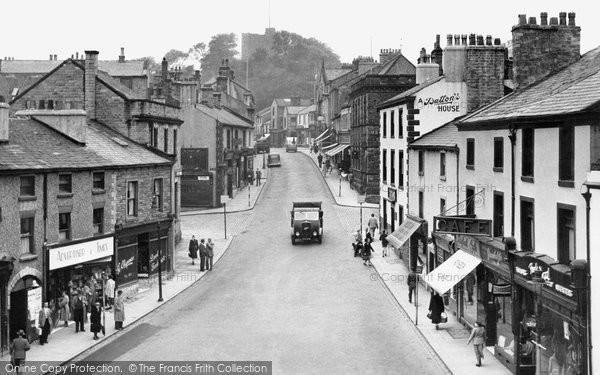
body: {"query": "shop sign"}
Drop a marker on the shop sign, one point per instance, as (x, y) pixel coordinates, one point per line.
(60, 257)
(443, 103)
(154, 255)
(392, 193)
(127, 264)
(34, 303)
(462, 225)
(534, 269)
(485, 251)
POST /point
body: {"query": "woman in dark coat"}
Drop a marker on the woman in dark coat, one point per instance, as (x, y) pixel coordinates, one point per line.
(96, 319)
(193, 248)
(436, 308)
(366, 252)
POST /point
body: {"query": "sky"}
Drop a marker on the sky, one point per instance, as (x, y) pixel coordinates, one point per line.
(34, 29)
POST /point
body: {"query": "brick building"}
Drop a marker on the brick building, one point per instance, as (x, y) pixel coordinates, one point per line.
(76, 199)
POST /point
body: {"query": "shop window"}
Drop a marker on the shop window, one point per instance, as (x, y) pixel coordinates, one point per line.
(421, 204)
(65, 185)
(132, 198)
(384, 164)
(566, 152)
(498, 214)
(64, 226)
(470, 200)
(27, 244)
(421, 163)
(498, 154)
(157, 194)
(166, 140)
(392, 124)
(566, 233)
(443, 165)
(527, 224)
(98, 221)
(175, 142)
(401, 169)
(393, 167)
(384, 124)
(27, 186)
(470, 153)
(98, 180)
(527, 152)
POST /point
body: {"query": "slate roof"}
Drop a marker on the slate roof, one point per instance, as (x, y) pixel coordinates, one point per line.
(571, 90)
(445, 136)
(332, 74)
(10, 82)
(282, 102)
(34, 145)
(310, 108)
(223, 116)
(410, 92)
(294, 110)
(398, 65)
(114, 68)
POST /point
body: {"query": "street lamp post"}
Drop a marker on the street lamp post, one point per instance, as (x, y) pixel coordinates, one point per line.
(263, 160)
(510, 245)
(587, 195)
(340, 194)
(160, 294)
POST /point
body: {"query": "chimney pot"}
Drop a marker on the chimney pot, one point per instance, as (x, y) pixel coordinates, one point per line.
(50, 58)
(472, 39)
(572, 19)
(449, 39)
(522, 19)
(488, 40)
(480, 40)
(553, 21)
(497, 42)
(544, 19)
(55, 57)
(532, 21)
(77, 55)
(463, 38)
(563, 18)
(91, 69)
(456, 39)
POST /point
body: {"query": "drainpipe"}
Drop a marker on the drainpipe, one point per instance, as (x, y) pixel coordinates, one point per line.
(587, 195)
(513, 140)
(45, 266)
(457, 179)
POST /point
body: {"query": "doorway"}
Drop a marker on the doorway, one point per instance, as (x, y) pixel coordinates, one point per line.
(144, 254)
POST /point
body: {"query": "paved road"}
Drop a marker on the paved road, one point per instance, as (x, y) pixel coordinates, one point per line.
(309, 308)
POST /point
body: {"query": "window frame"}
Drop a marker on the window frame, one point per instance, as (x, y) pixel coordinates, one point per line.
(384, 170)
(392, 124)
(22, 187)
(443, 165)
(526, 200)
(67, 230)
(559, 241)
(470, 159)
(527, 154)
(62, 184)
(566, 156)
(384, 122)
(95, 181)
(99, 224)
(29, 236)
(166, 140)
(393, 167)
(134, 200)
(158, 197)
(498, 218)
(401, 169)
(498, 154)
(421, 162)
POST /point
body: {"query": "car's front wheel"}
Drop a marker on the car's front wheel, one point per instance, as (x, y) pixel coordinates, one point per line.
(293, 241)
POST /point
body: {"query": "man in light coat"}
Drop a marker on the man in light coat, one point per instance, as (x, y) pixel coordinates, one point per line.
(45, 323)
(109, 291)
(119, 310)
(373, 224)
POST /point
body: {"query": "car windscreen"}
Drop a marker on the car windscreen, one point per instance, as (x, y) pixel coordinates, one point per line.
(306, 215)
(274, 157)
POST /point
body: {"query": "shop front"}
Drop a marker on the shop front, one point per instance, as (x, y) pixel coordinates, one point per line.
(409, 242)
(79, 266)
(137, 256)
(550, 313)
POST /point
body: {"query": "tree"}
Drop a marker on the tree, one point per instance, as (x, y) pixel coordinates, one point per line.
(176, 57)
(220, 47)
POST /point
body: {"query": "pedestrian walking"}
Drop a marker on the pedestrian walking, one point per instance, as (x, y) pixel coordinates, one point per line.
(258, 177)
(366, 252)
(478, 338)
(436, 308)
(193, 249)
(372, 224)
(96, 319)
(78, 308)
(210, 246)
(357, 246)
(327, 166)
(411, 281)
(18, 348)
(316, 148)
(65, 311)
(109, 291)
(45, 323)
(384, 244)
(320, 160)
(119, 310)
(368, 235)
(250, 177)
(203, 253)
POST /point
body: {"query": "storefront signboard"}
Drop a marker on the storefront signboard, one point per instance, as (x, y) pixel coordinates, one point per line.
(127, 264)
(486, 251)
(64, 256)
(546, 271)
(462, 225)
(392, 194)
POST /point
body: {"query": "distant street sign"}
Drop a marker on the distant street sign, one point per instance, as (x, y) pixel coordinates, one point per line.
(203, 178)
(224, 198)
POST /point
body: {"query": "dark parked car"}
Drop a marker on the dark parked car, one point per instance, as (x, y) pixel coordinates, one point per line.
(262, 146)
(291, 147)
(273, 160)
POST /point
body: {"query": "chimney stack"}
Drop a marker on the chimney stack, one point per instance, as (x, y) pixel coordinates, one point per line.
(122, 55)
(217, 99)
(91, 70)
(437, 54)
(534, 60)
(4, 110)
(426, 69)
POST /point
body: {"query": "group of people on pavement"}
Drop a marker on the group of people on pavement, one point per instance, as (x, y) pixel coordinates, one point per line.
(326, 166)
(205, 250)
(365, 249)
(80, 302)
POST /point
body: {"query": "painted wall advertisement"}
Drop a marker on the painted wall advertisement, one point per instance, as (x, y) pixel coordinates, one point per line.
(127, 264)
(442, 103)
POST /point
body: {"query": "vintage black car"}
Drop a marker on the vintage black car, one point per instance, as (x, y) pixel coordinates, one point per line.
(307, 221)
(262, 146)
(273, 160)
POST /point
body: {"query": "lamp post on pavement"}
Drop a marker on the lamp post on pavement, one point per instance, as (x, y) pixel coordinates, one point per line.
(361, 200)
(224, 199)
(263, 160)
(340, 193)
(160, 296)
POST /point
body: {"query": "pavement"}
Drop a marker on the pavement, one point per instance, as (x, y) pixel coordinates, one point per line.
(449, 342)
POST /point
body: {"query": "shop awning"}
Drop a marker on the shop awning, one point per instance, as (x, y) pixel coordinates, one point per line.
(328, 147)
(321, 135)
(402, 234)
(337, 149)
(452, 271)
(264, 137)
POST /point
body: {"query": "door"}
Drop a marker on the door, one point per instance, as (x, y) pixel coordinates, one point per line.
(18, 312)
(144, 254)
